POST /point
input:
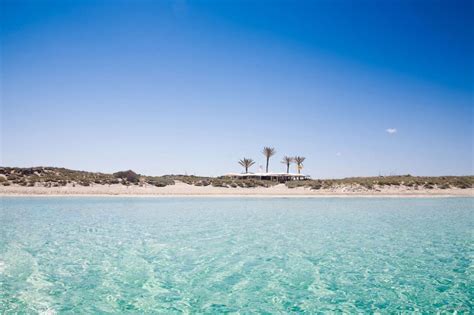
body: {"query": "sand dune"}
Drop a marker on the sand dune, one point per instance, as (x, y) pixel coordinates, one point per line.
(182, 189)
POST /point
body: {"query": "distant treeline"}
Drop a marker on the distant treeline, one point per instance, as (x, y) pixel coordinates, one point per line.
(56, 177)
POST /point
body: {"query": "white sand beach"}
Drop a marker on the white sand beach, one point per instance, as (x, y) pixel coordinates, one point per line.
(182, 189)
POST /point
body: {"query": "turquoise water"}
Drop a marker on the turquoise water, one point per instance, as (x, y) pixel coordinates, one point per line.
(205, 255)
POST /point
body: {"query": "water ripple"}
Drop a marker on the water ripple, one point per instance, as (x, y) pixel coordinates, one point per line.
(107, 255)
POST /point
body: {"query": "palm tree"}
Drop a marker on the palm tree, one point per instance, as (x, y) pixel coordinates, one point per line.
(268, 152)
(246, 163)
(299, 162)
(287, 160)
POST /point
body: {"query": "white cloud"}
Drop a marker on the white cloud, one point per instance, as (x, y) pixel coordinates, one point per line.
(391, 130)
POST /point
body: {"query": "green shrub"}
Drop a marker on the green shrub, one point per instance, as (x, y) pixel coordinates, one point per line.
(463, 185)
(48, 176)
(291, 185)
(218, 183)
(12, 177)
(202, 183)
(129, 175)
(159, 181)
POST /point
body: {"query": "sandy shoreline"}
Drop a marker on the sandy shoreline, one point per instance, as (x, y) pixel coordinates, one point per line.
(234, 196)
(184, 190)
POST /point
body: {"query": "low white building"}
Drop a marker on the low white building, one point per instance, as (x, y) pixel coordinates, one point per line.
(279, 177)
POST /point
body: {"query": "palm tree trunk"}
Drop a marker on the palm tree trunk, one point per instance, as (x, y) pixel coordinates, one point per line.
(268, 158)
(288, 167)
(246, 170)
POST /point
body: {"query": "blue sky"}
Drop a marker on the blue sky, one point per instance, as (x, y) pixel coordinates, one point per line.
(193, 86)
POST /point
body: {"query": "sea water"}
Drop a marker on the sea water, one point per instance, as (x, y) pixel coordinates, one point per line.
(217, 255)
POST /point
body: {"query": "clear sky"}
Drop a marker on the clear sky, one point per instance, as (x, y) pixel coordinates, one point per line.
(357, 87)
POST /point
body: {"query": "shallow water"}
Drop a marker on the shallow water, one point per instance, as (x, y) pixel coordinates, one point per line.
(215, 255)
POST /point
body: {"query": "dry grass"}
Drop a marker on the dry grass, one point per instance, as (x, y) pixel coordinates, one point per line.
(56, 177)
(441, 182)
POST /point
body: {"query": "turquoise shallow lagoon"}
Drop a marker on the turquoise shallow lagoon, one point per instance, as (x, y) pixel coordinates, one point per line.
(215, 255)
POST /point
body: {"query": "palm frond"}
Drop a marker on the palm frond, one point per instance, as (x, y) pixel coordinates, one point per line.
(287, 160)
(246, 163)
(299, 160)
(268, 152)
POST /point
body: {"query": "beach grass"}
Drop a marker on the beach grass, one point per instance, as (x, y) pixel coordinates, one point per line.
(57, 177)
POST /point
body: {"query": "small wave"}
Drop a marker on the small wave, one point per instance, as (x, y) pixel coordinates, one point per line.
(49, 311)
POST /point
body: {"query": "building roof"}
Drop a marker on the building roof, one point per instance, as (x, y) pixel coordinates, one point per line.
(265, 174)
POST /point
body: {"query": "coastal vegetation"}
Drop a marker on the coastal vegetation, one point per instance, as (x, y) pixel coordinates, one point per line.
(299, 163)
(378, 182)
(56, 177)
(221, 181)
(246, 163)
(287, 160)
(268, 153)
